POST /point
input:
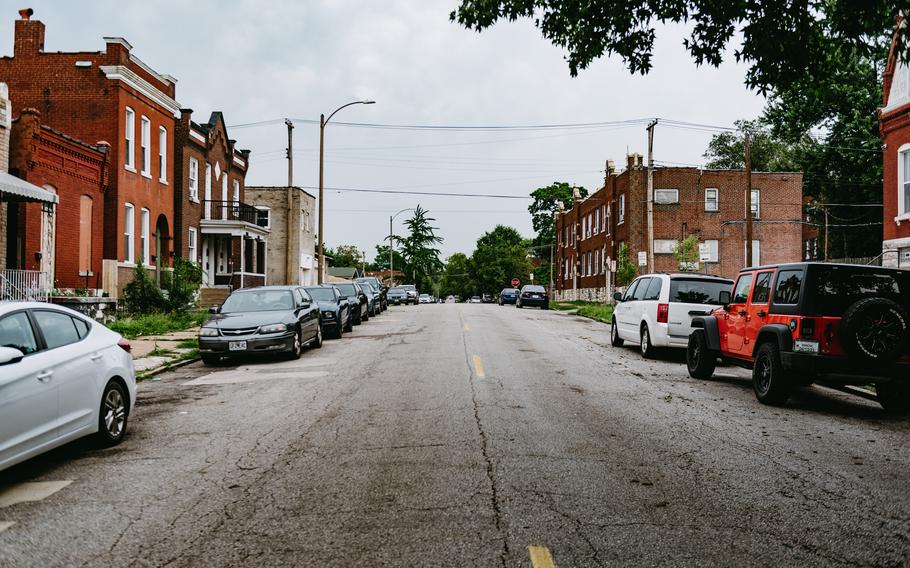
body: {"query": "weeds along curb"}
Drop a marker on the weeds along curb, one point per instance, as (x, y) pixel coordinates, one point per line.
(150, 374)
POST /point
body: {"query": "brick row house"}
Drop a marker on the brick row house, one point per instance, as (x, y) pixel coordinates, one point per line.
(894, 122)
(687, 201)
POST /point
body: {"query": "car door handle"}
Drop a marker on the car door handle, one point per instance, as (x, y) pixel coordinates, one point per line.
(741, 312)
(96, 356)
(44, 376)
(761, 314)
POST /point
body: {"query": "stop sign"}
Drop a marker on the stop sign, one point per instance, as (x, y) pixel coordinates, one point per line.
(515, 282)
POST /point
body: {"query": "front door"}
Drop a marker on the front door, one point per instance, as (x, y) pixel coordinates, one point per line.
(757, 310)
(735, 317)
(48, 239)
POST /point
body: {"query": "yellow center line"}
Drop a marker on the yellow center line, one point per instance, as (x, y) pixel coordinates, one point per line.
(541, 557)
(478, 367)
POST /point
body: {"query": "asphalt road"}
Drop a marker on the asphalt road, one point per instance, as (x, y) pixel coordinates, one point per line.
(460, 435)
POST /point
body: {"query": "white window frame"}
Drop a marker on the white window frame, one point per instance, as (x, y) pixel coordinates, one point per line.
(672, 193)
(903, 180)
(268, 216)
(582, 264)
(129, 151)
(664, 246)
(622, 209)
(162, 154)
(145, 141)
(756, 203)
(145, 218)
(235, 196)
(224, 196)
(596, 221)
(596, 261)
(709, 206)
(590, 267)
(129, 233)
(191, 244)
(713, 249)
(193, 180)
(208, 191)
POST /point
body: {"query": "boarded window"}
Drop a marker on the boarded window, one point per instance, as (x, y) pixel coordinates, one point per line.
(85, 234)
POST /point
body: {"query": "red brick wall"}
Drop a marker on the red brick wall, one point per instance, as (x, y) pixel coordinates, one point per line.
(895, 129)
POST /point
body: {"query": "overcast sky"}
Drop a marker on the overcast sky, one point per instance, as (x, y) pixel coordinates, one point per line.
(257, 60)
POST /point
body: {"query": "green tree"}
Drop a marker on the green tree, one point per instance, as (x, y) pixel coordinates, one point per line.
(500, 255)
(381, 262)
(418, 248)
(726, 151)
(456, 279)
(625, 268)
(686, 252)
(345, 255)
(782, 42)
(546, 204)
(181, 284)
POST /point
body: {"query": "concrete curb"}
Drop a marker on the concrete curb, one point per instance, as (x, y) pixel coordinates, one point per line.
(150, 373)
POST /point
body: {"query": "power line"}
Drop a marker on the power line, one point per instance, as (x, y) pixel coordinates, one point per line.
(406, 192)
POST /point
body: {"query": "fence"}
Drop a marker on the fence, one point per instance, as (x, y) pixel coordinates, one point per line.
(24, 285)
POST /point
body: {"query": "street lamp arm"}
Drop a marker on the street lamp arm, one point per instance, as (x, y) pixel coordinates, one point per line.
(345, 106)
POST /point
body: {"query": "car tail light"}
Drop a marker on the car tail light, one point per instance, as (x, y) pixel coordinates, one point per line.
(807, 327)
(663, 313)
(125, 345)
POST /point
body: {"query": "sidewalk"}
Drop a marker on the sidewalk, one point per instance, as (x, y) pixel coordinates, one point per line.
(154, 353)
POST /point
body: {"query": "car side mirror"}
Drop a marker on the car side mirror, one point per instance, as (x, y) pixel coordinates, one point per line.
(303, 305)
(617, 296)
(724, 297)
(10, 355)
(215, 310)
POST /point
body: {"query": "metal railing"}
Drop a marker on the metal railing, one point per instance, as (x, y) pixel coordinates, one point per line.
(24, 285)
(230, 211)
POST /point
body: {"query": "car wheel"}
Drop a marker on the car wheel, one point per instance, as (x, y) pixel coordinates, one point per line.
(210, 359)
(615, 339)
(357, 320)
(648, 351)
(894, 396)
(770, 381)
(296, 349)
(112, 417)
(350, 326)
(317, 341)
(545, 306)
(700, 361)
(366, 316)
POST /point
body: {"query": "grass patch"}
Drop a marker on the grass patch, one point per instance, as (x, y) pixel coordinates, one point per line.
(161, 352)
(157, 324)
(188, 344)
(597, 312)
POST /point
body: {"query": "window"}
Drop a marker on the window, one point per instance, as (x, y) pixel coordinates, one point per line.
(58, 328)
(762, 292)
(903, 258)
(788, 284)
(603, 259)
(144, 236)
(236, 196)
(130, 148)
(603, 226)
(755, 200)
(653, 291)
(86, 207)
(145, 139)
(607, 219)
(697, 290)
(565, 241)
(129, 231)
(590, 265)
(630, 292)
(597, 262)
(642, 289)
(712, 250)
(666, 196)
(664, 246)
(711, 199)
(596, 221)
(741, 290)
(756, 252)
(16, 332)
(191, 244)
(622, 209)
(162, 154)
(224, 196)
(193, 182)
(263, 217)
(208, 190)
(903, 192)
(590, 224)
(582, 265)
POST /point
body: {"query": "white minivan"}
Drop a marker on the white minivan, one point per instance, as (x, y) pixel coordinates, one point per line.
(657, 309)
(62, 377)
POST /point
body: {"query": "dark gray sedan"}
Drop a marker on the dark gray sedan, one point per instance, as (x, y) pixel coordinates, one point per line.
(334, 307)
(269, 319)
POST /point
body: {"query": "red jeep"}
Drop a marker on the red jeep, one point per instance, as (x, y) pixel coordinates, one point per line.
(794, 324)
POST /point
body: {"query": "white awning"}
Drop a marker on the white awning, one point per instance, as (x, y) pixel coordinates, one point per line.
(22, 190)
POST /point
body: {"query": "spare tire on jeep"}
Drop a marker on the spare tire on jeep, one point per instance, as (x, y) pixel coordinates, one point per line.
(875, 330)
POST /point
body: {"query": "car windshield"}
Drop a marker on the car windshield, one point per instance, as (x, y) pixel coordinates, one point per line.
(346, 289)
(697, 290)
(258, 301)
(533, 289)
(409, 286)
(509, 291)
(835, 288)
(397, 291)
(322, 294)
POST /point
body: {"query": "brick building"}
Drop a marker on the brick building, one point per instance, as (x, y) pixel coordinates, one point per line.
(687, 201)
(64, 242)
(109, 96)
(894, 121)
(289, 213)
(213, 224)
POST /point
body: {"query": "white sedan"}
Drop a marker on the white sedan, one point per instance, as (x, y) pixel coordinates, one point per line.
(62, 377)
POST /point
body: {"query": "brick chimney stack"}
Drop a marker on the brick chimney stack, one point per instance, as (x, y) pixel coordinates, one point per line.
(29, 37)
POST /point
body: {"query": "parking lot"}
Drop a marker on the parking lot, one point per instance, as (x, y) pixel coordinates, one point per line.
(460, 435)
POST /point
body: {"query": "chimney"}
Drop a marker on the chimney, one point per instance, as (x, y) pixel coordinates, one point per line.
(29, 38)
(611, 167)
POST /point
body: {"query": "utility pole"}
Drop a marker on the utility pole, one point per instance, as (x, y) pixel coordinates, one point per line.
(826, 233)
(747, 147)
(321, 263)
(290, 254)
(290, 126)
(651, 126)
(391, 256)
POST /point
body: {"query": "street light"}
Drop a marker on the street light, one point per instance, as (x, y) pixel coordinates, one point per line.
(392, 246)
(322, 122)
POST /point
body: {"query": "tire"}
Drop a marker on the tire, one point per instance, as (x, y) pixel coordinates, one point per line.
(615, 339)
(350, 326)
(875, 330)
(648, 351)
(113, 414)
(297, 349)
(700, 360)
(771, 383)
(366, 316)
(545, 306)
(317, 341)
(210, 359)
(894, 396)
(359, 319)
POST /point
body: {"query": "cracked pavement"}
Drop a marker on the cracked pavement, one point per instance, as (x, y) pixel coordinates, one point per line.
(387, 448)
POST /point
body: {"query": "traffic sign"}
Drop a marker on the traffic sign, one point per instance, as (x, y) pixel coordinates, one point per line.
(642, 258)
(516, 282)
(704, 252)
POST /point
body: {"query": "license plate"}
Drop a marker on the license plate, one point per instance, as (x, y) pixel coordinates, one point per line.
(237, 346)
(805, 346)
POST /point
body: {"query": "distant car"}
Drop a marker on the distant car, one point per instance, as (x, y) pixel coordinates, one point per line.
(62, 377)
(374, 299)
(508, 296)
(263, 320)
(451, 299)
(487, 299)
(425, 299)
(381, 288)
(412, 292)
(532, 295)
(334, 307)
(475, 300)
(397, 296)
(357, 299)
(657, 309)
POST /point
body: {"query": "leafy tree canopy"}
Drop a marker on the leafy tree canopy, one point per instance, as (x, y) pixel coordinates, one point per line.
(456, 279)
(500, 255)
(345, 255)
(783, 42)
(546, 203)
(418, 248)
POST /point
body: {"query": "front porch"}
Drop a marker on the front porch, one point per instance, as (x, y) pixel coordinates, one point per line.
(232, 248)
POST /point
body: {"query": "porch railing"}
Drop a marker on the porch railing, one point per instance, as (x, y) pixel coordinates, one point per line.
(24, 285)
(230, 211)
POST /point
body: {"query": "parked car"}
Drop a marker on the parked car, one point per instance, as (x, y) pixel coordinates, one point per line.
(397, 296)
(533, 295)
(656, 310)
(508, 296)
(334, 308)
(62, 377)
(475, 300)
(425, 299)
(357, 300)
(486, 299)
(794, 324)
(374, 301)
(263, 320)
(379, 287)
(412, 293)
